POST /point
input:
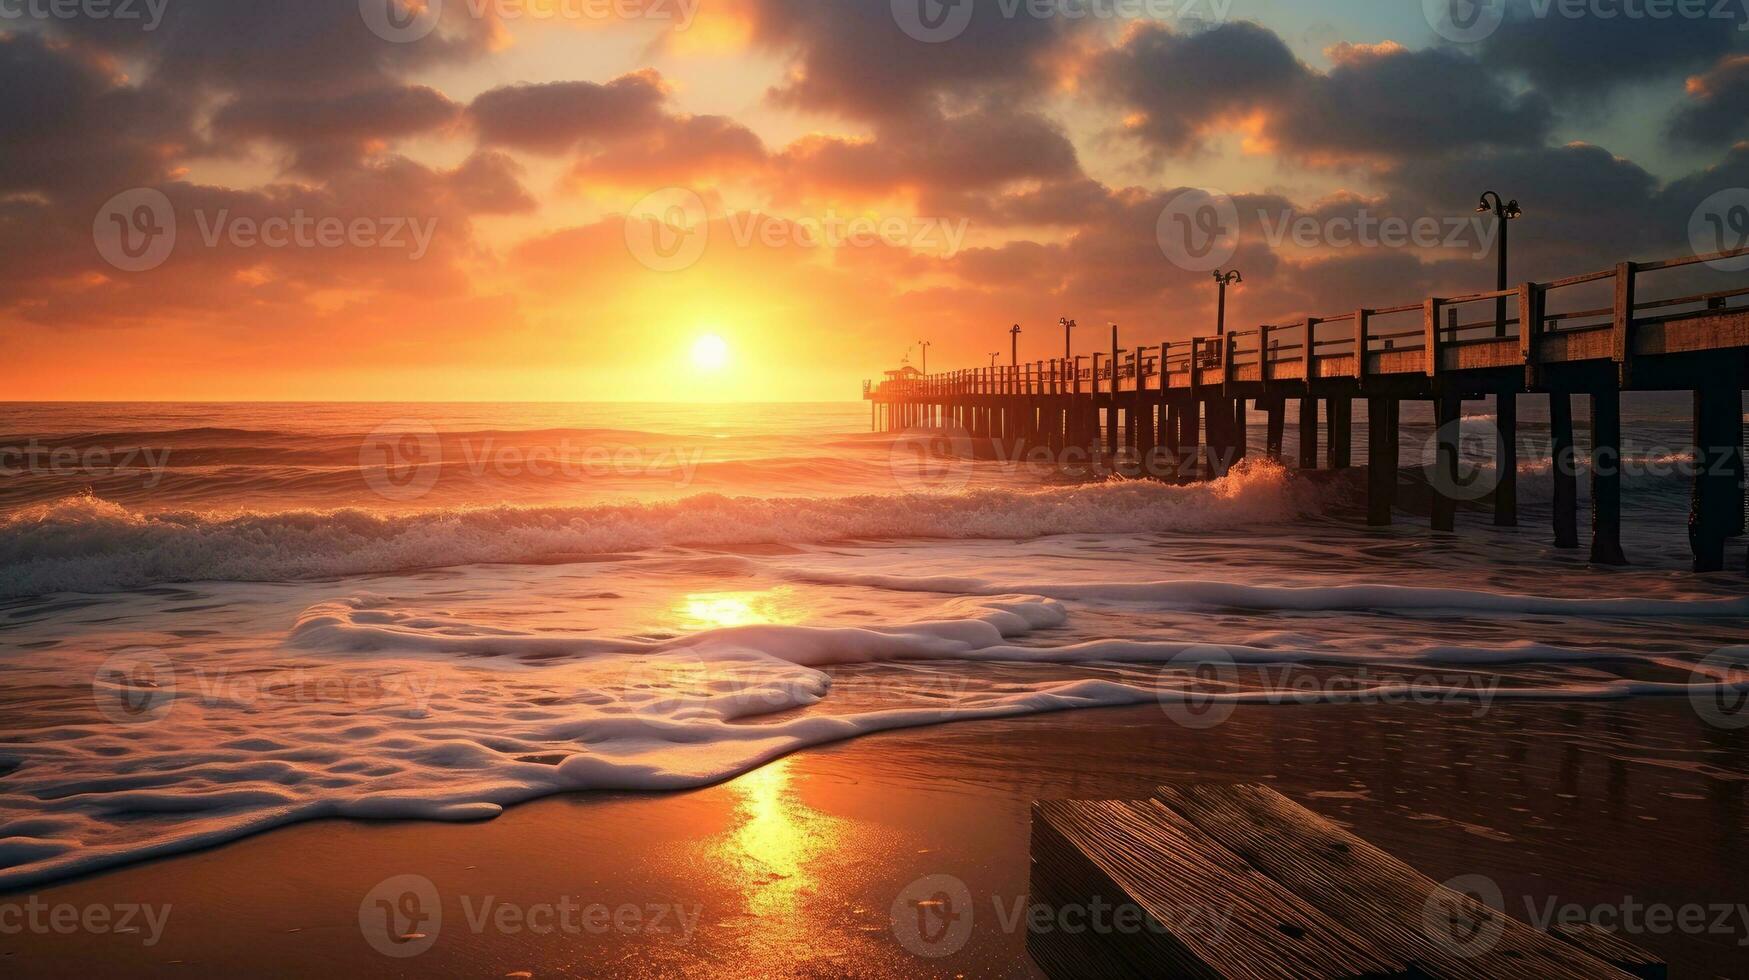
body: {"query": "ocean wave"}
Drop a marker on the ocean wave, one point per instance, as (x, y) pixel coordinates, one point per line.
(86, 544)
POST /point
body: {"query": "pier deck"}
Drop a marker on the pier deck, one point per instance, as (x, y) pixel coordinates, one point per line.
(1180, 407)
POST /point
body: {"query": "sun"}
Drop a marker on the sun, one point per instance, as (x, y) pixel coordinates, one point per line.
(710, 353)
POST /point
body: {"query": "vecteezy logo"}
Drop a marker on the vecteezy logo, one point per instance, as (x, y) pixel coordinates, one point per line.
(1208, 674)
(135, 687)
(931, 460)
(668, 230)
(1464, 916)
(401, 21)
(135, 230)
(401, 459)
(932, 917)
(1465, 21)
(1199, 229)
(933, 21)
(1720, 694)
(401, 916)
(1457, 478)
(1721, 224)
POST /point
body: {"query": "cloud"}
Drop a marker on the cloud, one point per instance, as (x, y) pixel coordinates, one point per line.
(1377, 102)
(326, 132)
(851, 57)
(1578, 60)
(933, 155)
(1718, 111)
(72, 127)
(556, 117)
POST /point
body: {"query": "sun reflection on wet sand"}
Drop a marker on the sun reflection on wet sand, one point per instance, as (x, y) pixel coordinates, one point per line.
(718, 610)
(775, 855)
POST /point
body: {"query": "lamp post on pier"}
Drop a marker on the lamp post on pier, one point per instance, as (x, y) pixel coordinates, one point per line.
(1014, 344)
(993, 355)
(1504, 212)
(1068, 326)
(1224, 279)
(925, 345)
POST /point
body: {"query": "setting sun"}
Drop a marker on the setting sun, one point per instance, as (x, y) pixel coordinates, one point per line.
(710, 353)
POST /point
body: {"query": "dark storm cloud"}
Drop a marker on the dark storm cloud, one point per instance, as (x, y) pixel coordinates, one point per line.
(274, 46)
(622, 129)
(1379, 102)
(852, 56)
(1718, 111)
(1581, 58)
(1391, 102)
(554, 117)
(71, 127)
(331, 131)
(987, 147)
(1182, 83)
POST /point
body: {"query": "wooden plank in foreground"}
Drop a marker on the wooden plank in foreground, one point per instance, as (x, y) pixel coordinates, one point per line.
(1441, 932)
(1208, 913)
(1614, 950)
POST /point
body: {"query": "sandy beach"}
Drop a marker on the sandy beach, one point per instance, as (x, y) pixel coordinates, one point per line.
(794, 869)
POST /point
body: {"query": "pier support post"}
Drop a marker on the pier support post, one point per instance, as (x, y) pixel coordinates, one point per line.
(1339, 421)
(1219, 443)
(1189, 437)
(1564, 469)
(1241, 430)
(1506, 459)
(1718, 494)
(1606, 478)
(1736, 463)
(1448, 415)
(1309, 432)
(1382, 452)
(1277, 426)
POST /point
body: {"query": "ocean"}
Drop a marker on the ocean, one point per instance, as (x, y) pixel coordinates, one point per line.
(220, 619)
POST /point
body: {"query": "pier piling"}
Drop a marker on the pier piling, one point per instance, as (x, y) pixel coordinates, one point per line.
(1187, 402)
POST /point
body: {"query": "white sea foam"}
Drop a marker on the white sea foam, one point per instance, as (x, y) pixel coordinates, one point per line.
(458, 720)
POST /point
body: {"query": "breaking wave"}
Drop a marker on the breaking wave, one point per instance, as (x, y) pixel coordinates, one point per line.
(87, 544)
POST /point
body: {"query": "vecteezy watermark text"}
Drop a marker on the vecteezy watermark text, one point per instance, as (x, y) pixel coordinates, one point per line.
(407, 21)
(403, 459)
(934, 916)
(670, 229)
(147, 13)
(403, 916)
(34, 457)
(938, 21)
(37, 917)
(137, 231)
(1466, 915)
(142, 686)
(1199, 229)
(1473, 21)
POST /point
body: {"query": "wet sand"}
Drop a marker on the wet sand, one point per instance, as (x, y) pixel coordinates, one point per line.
(794, 869)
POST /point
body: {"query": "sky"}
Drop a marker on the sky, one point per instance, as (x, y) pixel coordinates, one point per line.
(703, 200)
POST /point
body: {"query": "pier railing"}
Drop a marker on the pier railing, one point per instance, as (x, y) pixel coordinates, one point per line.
(1467, 332)
(1594, 335)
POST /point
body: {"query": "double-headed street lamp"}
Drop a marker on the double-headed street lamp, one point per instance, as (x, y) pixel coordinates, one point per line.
(925, 345)
(1068, 326)
(1224, 279)
(1505, 212)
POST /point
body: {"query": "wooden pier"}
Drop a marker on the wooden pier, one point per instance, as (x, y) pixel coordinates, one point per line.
(1182, 406)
